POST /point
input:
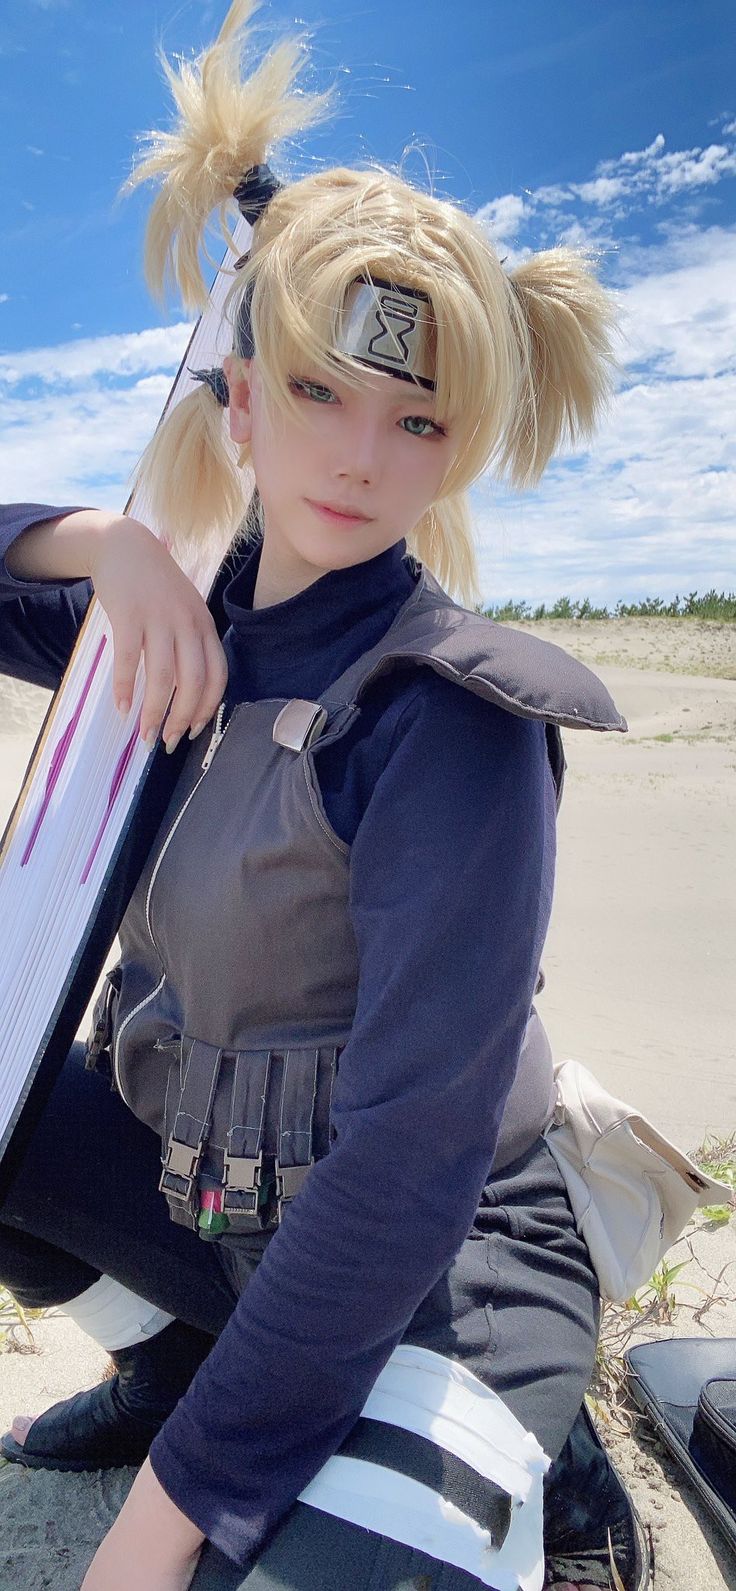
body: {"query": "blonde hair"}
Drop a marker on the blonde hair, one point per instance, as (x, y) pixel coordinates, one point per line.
(523, 360)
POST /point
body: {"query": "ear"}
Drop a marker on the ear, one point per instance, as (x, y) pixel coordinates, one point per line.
(238, 374)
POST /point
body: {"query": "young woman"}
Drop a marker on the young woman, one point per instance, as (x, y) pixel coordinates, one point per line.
(322, 1023)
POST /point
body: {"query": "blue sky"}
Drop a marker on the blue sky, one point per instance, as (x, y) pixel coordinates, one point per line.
(611, 124)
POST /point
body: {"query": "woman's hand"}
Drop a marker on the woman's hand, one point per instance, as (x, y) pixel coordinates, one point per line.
(152, 1546)
(154, 609)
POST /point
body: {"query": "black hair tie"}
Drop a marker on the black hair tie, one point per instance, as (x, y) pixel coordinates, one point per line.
(255, 191)
(216, 380)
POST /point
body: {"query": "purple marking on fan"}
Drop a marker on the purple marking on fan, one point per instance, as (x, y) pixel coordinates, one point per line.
(59, 757)
(117, 779)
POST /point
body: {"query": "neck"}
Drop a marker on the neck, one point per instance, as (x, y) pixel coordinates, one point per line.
(281, 575)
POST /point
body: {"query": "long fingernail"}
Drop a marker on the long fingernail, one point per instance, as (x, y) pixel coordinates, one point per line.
(150, 738)
(172, 744)
(123, 707)
(196, 729)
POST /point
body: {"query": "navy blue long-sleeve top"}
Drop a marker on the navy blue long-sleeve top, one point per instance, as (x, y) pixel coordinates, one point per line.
(449, 806)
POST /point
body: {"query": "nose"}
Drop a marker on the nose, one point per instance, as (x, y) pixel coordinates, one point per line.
(359, 458)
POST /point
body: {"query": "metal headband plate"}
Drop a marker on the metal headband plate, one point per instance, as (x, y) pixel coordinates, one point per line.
(383, 325)
(389, 327)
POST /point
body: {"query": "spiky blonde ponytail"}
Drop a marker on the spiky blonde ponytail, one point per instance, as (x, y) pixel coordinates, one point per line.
(562, 319)
(226, 124)
(189, 473)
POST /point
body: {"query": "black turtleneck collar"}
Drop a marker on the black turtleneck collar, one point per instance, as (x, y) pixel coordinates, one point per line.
(300, 646)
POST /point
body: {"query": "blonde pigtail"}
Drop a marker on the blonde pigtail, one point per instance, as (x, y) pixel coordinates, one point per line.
(189, 475)
(226, 124)
(443, 540)
(563, 320)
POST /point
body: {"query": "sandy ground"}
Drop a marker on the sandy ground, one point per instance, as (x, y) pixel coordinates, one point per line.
(639, 966)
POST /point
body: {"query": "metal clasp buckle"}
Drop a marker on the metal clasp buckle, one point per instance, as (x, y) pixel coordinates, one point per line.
(181, 1163)
(242, 1177)
(289, 1180)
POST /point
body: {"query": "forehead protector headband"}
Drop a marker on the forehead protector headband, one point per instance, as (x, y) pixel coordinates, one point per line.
(384, 325)
(389, 328)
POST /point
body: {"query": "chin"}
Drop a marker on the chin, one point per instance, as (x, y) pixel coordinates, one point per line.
(340, 548)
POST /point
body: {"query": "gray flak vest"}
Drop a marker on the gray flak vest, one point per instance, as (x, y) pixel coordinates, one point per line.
(226, 1016)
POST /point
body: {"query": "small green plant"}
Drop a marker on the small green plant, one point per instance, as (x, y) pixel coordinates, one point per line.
(717, 1157)
(658, 1289)
(716, 1214)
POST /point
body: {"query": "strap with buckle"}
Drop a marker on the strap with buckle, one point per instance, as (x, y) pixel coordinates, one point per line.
(247, 1185)
(201, 1070)
(296, 1121)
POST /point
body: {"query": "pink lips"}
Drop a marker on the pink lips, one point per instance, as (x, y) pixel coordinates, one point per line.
(337, 518)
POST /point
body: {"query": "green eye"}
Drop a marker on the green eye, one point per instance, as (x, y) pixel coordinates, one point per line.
(312, 389)
(420, 419)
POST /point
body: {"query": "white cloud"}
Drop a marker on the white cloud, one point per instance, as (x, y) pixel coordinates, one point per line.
(638, 179)
(502, 217)
(4, 298)
(550, 195)
(127, 354)
(654, 175)
(601, 190)
(78, 447)
(636, 157)
(693, 168)
(680, 313)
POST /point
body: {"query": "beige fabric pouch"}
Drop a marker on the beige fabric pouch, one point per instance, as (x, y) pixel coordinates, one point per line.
(632, 1191)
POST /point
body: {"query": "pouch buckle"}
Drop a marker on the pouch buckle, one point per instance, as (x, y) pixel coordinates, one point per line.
(180, 1166)
(242, 1176)
(289, 1180)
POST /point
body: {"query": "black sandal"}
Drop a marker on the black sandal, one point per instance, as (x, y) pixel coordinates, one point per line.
(590, 1522)
(115, 1423)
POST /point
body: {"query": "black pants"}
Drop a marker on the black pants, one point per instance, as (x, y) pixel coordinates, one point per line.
(518, 1308)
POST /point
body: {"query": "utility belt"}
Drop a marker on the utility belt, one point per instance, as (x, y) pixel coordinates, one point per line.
(241, 1128)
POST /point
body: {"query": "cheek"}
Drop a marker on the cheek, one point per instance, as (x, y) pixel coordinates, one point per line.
(272, 455)
(422, 469)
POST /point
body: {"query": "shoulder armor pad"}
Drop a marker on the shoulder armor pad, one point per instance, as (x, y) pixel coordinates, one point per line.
(515, 670)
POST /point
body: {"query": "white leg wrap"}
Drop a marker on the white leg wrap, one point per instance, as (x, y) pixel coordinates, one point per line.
(113, 1316)
(436, 1398)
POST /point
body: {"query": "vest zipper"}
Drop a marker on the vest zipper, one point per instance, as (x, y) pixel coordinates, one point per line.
(218, 735)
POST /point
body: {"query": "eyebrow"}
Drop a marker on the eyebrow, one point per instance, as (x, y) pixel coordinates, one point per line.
(412, 393)
(417, 394)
